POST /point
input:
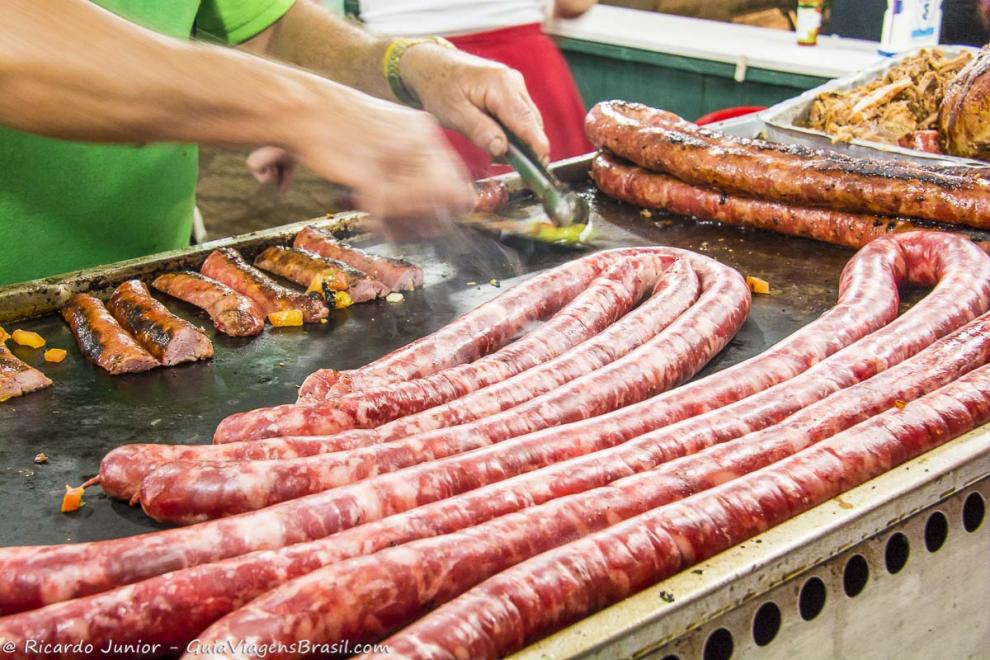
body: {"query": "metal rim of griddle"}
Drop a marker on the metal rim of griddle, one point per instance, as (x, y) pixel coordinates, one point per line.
(899, 593)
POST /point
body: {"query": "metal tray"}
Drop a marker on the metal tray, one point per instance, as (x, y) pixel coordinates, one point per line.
(783, 120)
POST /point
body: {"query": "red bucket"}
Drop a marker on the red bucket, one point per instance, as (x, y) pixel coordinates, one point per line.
(728, 113)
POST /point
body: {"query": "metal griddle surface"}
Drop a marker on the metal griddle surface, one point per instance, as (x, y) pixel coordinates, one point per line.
(87, 413)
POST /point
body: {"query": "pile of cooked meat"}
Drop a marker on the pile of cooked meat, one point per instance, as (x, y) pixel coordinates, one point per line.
(902, 107)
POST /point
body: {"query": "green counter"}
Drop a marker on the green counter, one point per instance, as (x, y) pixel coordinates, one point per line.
(688, 86)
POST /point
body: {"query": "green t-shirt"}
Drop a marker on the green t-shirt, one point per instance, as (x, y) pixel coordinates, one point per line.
(68, 205)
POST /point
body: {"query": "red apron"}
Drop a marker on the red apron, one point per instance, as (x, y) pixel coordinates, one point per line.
(549, 81)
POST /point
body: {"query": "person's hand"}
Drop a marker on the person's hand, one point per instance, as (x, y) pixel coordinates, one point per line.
(396, 160)
(464, 92)
(272, 165)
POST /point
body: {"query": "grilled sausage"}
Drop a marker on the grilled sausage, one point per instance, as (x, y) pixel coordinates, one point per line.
(492, 196)
(302, 266)
(163, 334)
(18, 378)
(396, 274)
(232, 313)
(226, 265)
(101, 339)
(758, 169)
(635, 185)
(639, 115)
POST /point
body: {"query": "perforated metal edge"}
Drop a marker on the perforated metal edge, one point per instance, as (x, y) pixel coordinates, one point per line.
(931, 606)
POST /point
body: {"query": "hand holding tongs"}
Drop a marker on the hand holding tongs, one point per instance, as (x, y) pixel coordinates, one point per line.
(564, 207)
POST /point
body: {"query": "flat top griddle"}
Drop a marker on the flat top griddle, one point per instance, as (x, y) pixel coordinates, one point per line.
(87, 412)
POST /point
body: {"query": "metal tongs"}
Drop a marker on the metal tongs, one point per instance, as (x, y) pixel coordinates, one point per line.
(564, 207)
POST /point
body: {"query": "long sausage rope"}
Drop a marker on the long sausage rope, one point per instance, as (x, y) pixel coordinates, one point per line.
(367, 597)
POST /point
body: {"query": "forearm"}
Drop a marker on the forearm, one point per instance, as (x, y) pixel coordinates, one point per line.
(109, 80)
(311, 37)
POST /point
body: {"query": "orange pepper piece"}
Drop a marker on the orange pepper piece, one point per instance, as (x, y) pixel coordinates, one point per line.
(55, 354)
(325, 280)
(72, 499)
(26, 338)
(756, 285)
(316, 284)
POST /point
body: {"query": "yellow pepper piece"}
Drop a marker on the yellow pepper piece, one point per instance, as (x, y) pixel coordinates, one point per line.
(342, 299)
(756, 285)
(290, 317)
(25, 338)
(55, 354)
(72, 499)
(316, 284)
(325, 280)
(4, 336)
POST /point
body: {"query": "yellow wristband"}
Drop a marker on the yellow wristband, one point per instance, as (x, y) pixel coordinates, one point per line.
(395, 51)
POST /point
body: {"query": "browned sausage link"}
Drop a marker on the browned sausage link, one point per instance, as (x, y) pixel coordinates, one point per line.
(228, 266)
(396, 274)
(232, 313)
(637, 186)
(492, 196)
(634, 185)
(302, 266)
(807, 178)
(17, 378)
(102, 340)
(163, 334)
(637, 114)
